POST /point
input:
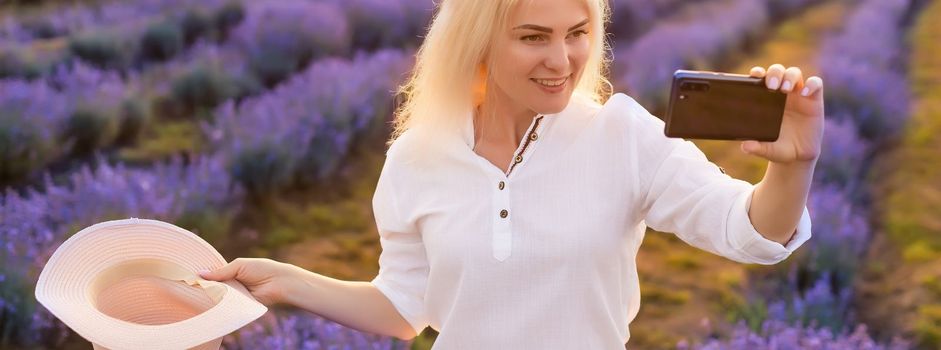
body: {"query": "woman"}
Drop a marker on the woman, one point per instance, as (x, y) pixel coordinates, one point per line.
(515, 194)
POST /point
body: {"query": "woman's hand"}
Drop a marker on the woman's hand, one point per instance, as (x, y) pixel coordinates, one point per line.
(266, 279)
(802, 128)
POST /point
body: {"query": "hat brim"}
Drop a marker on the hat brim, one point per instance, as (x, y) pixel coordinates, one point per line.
(64, 283)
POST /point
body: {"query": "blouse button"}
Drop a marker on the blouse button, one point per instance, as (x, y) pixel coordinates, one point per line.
(519, 159)
(502, 185)
(504, 213)
(533, 136)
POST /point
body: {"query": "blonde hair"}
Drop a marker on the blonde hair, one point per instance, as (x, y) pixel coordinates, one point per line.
(447, 72)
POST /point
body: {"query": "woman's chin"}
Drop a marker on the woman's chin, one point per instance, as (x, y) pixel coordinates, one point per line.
(553, 105)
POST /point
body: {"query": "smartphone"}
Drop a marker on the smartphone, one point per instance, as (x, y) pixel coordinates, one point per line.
(723, 106)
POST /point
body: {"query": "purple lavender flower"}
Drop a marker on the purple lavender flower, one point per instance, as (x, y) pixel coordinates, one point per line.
(299, 330)
(645, 67)
(842, 154)
(864, 71)
(306, 125)
(34, 223)
(780, 335)
(280, 37)
(68, 18)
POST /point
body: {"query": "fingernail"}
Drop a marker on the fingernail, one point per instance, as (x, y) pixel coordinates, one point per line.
(203, 273)
(805, 92)
(773, 83)
(786, 87)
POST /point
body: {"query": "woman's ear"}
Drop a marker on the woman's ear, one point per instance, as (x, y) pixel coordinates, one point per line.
(480, 84)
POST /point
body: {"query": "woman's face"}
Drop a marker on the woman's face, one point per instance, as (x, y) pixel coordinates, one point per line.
(537, 60)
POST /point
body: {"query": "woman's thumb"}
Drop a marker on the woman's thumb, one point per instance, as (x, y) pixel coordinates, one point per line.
(755, 148)
(224, 273)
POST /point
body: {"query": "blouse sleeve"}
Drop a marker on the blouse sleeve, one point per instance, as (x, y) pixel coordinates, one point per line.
(403, 265)
(686, 194)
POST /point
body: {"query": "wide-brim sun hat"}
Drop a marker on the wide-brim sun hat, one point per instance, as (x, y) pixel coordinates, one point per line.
(133, 284)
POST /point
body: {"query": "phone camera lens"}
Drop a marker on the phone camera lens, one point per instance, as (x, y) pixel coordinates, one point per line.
(694, 86)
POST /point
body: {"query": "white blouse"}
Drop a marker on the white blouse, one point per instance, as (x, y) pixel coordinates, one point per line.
(544, 258)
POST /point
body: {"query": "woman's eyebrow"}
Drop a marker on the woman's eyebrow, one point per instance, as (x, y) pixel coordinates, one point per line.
(547, 29)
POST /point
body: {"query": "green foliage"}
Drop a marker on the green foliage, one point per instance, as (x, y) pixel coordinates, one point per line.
(202, 89)
(209, 223)
(22, 151)
(14, 63)
(195, 23)
(227, 17)
(263, 171)
(133, 118)
(657, 295)
(753, 313)
(273, 67)
(161, 41)
(683, 261)
(15, 291)
(932, 283)
(165, 139)
(102, 50)
(928, 326)
(919, 252)
(88, 129)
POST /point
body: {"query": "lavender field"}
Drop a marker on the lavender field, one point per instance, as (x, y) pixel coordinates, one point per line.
(260, 126)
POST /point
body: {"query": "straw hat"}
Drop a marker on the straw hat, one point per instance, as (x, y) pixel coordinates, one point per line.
(132, 284)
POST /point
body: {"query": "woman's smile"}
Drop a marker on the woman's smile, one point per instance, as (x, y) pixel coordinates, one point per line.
(553, 86)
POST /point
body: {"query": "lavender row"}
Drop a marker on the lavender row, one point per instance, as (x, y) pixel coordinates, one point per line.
(391, 22)
(302, 129)
(818, 286)
(305, 331)
(35, 222)
(631, 18)
(132, 45)
(846, 151)
(700, 36)
(780, 335)
(278, 38)
(76, 110)
(68, 19)
(864, 70)
(643, 68)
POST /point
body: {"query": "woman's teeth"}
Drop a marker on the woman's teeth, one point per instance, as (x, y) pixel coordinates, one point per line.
(551, 83)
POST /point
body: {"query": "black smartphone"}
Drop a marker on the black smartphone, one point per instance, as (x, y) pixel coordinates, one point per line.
(723, 106)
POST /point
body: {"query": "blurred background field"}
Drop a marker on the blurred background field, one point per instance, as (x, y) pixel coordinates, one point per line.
(260, 125)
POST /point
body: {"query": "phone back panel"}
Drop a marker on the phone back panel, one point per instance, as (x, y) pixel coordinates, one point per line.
(733, 107)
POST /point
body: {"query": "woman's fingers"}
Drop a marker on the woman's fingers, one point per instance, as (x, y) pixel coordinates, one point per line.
(774, 76)
(787, 80)
(757, 72)
(793, 80)
(227, 272)
(812, 85)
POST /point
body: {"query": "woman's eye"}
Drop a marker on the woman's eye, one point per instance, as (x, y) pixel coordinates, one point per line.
(578, 33)
(531, 38)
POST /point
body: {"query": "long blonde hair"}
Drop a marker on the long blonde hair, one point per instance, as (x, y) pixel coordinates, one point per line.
(447, 72)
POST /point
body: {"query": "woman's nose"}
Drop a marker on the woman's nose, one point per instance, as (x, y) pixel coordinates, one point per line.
(558, 57)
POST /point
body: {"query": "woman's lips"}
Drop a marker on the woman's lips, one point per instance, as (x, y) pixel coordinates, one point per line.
(551, 86)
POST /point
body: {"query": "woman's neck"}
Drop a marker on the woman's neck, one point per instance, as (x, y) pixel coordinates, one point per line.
(500, 121)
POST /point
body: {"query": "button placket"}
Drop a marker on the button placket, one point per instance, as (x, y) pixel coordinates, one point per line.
(502, 237)
(525, 149)
(502, 232)
(502, 242)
